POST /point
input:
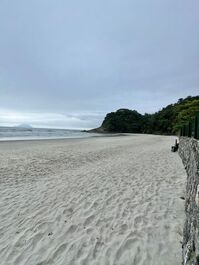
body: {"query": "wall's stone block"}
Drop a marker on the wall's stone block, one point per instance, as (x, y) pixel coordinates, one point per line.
(189, 152)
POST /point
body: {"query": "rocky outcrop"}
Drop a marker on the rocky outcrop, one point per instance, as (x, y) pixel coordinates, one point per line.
(189, 152)
(96, 130)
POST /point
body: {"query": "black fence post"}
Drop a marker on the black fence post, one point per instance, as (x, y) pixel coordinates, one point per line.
(193, 128)
(189, 129)
(197, 126)
(184, 130)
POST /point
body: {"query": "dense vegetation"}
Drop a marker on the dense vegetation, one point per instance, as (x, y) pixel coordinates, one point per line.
(166, 121)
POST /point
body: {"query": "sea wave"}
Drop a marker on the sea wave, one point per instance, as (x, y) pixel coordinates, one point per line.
(17, 133)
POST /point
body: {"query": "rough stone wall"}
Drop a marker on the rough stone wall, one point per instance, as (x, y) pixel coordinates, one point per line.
(189, 152)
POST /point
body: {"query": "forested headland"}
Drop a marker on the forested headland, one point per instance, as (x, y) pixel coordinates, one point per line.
(167, 121)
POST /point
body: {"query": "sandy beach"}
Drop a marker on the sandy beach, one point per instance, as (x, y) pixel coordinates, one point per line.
(96, 201)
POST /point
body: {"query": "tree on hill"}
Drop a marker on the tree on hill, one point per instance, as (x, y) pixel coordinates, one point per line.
(186, 112)
(123, 120)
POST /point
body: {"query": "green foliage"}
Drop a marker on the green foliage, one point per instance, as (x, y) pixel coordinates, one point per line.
(166, 121)
(186, 112)
(123, 120)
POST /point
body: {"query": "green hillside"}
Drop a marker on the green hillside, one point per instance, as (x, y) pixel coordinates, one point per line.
(166, 121)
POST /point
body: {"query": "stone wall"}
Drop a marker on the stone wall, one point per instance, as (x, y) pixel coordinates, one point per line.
(189, 152)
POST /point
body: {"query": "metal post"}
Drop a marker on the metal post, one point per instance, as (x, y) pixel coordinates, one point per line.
(189, 129)
(197, 126)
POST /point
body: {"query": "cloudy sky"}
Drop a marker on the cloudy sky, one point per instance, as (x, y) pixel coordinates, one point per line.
(66, 63)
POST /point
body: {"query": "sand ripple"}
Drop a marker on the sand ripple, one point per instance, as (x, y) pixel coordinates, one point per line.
(103, 201)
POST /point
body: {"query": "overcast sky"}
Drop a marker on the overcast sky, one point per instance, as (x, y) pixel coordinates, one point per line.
(67, 63)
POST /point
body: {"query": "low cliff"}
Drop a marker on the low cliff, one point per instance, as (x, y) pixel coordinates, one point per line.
(189, 152)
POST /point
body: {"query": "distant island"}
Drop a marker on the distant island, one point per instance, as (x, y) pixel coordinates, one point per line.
(24, 126)
(167, 121)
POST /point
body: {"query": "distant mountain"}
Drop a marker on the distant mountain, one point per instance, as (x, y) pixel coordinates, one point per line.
(24, 126)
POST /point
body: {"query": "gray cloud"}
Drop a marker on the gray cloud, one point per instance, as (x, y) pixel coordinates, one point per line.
(75, 57)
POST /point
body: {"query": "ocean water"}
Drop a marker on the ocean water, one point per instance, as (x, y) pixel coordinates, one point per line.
(17, 133)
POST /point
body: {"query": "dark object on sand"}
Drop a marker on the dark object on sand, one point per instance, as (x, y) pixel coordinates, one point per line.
(174, 148)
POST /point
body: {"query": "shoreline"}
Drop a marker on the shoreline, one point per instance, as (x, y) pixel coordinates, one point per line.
(65, 138)
(98, 135)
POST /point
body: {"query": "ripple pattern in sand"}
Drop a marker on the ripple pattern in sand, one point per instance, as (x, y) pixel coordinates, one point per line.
(105, 201)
